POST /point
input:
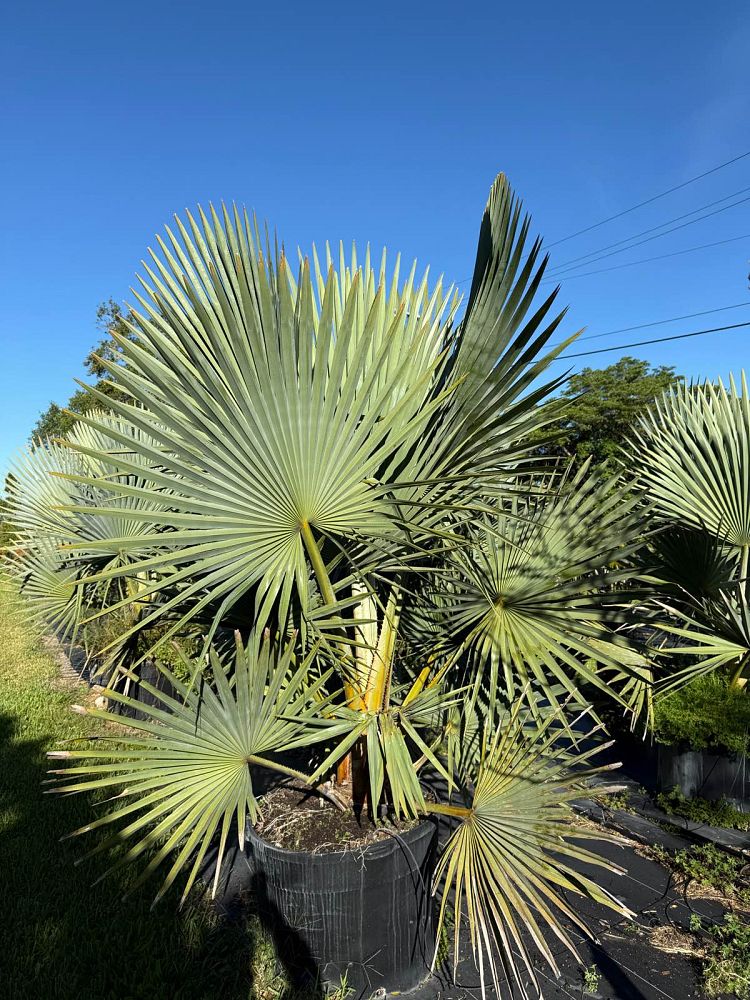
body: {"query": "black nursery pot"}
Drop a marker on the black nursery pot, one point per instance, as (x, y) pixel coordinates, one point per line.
(361, 914)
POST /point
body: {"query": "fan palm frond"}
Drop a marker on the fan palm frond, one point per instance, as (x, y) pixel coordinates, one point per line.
(511, 858)
(690, 454)
(188, 773)
(70, 519)
(534, 596)
(713, 632)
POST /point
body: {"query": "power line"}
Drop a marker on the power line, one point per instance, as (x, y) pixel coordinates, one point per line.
(648, 201)
(566, 274)
(645, 260)
(571, 263)
(655, 340)
(659, 322)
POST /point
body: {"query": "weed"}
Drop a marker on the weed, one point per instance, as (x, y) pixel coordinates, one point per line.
(709, 867)
(591, 979)
(727, 964)
(702, 811)
(446, 934)
(617, 800)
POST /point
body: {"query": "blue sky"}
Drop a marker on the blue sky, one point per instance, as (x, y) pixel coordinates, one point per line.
(384, 123)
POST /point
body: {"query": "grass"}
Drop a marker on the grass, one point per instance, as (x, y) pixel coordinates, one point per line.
(62, 937)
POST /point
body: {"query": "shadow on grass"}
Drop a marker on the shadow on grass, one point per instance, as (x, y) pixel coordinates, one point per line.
(64, 938)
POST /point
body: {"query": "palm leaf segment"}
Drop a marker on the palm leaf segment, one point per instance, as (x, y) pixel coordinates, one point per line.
(286, 409)
(509, 861)
(186, 776)
(535, 595)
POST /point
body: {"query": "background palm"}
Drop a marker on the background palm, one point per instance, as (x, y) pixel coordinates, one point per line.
(691, 457)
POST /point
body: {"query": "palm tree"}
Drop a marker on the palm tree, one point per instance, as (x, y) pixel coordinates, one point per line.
(334, 461)
(62, 537)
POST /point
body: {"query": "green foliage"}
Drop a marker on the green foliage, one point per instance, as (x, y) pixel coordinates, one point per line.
(713, 868)
(599, 407)
(55, 421)
(591, 979)
(524, 598)
(173, 653)
(706, 714)
(699, 810)
(211, 734)
(617, 800)
(726, 966)
(519, 802)
(690, 457)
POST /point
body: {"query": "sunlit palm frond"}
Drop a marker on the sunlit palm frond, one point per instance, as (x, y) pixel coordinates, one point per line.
(510, 863)
(290, 409)
(276, 409)
(71, 520)
(187, 775)
(36, 494)
(690, 455)
(54, 601)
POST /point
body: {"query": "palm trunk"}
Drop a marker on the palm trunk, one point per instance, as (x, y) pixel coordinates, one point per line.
(350, 768)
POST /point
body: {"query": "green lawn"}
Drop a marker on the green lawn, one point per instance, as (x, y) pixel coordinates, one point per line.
(62, 938)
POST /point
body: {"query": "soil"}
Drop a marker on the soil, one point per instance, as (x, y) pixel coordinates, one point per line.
(298, 819)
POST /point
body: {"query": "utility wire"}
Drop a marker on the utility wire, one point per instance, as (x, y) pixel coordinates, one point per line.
(658, 322)
(655, 340)
(649, 201)
(572, 263)
(645, 260)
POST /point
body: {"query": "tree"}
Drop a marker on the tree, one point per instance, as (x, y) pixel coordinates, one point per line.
(329, 457)
(599, 407)
(58, 421)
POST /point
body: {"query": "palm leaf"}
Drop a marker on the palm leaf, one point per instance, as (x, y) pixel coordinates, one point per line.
(535, 594)
(511, 857)
(72, 520)
(690, 456)
(187, 775)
